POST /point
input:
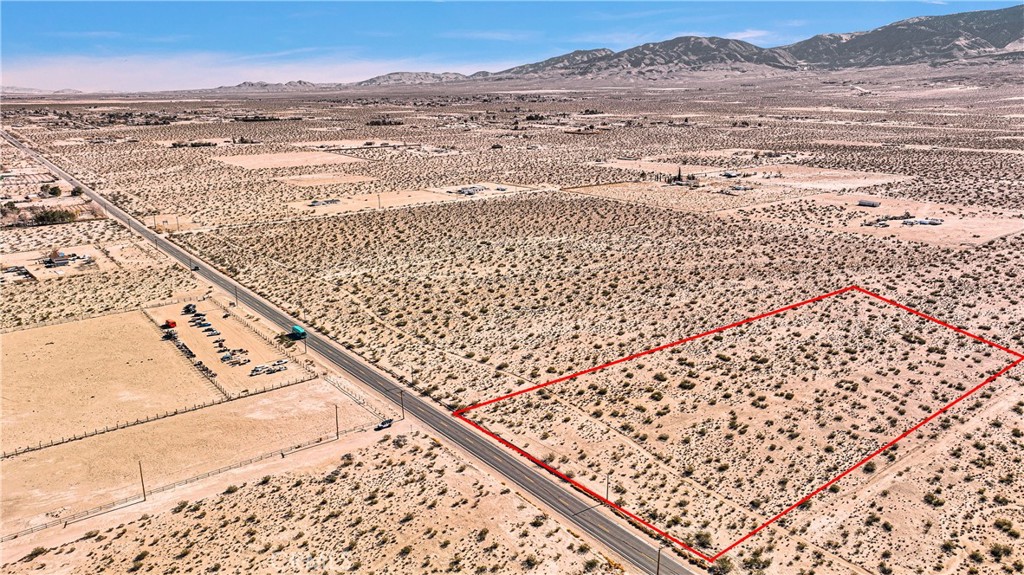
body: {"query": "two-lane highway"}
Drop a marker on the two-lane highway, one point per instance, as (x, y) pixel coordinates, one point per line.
(615, 534)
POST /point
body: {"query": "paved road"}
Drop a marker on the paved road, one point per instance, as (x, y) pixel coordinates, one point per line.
(633, 546)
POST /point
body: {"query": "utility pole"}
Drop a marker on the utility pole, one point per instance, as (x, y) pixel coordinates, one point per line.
(143, 481)
(378, 201)
(401, 401)
(236, 295)
(337, 429)
(657, 570)
(177, 224)
(607, 485)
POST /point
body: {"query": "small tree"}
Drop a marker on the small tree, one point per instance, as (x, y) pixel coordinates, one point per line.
(47, 217)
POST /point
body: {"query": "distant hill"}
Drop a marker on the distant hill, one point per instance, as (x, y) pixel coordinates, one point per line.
(413, 78)
(927, 39)
(684, 54)
(564, 62)
(255, 87)
(17, 90)
(933, 40)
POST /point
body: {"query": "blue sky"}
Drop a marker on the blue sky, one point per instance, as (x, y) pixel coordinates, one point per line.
(157, 45)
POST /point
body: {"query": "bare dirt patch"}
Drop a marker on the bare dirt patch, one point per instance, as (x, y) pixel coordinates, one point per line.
(287, 160)
(233, 377)
(404, 198)
(67, 478)
(707, 197)
(71, 378)
(329, 145)
(311, 180)
(481, 189)
(961, 226)
(101, 231)
(819, 178)
(657, 167)
(390, 505)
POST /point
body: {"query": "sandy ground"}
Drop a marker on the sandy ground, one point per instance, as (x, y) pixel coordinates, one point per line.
(960, 226)
(167, 223)
(78, 233)
(61, 480)
(367, 202)
(489, 189)
(93, 260)
(748, 432)
(405, 198)
(112, 369)
(349, 144)
(658, 167)
(468, 300)
(344, 513)
(312, 180)
(818, 178)
(710, 197)
(287, 160)
(234, 379)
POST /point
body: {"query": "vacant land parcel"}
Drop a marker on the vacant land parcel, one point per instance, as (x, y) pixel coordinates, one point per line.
(112, 369)
(287, 160)
(759, 415)
(72, 477)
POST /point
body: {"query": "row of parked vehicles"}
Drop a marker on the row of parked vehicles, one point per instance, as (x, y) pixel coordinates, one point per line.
(235, 357)
(231, 357)
(198, 320)
(266, 369)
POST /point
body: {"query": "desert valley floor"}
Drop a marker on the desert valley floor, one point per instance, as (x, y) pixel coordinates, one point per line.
(476, 244)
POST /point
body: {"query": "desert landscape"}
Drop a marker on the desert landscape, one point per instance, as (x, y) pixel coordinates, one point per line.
(765, 316)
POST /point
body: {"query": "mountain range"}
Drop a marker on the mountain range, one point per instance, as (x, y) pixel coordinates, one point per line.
(931, 40)
(934, 40)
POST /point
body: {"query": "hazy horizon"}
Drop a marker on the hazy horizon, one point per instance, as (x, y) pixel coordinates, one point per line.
(140, 46)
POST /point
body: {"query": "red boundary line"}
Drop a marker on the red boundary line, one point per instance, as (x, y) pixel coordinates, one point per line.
(711, 558)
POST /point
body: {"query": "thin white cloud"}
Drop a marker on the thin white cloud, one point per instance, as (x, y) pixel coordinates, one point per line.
(489, 35)
(87, 34)
(137, 73)
(280, 54)
(113, 35)
(617, 16)
(749, 34)
(616, 39)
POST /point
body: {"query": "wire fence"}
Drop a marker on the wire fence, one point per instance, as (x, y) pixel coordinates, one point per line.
(358, 399)
(206, 374)
(85, 316)
(135, 499)
(273, 342)
(156, 417)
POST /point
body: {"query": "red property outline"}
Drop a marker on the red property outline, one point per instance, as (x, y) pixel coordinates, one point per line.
(460, 414)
